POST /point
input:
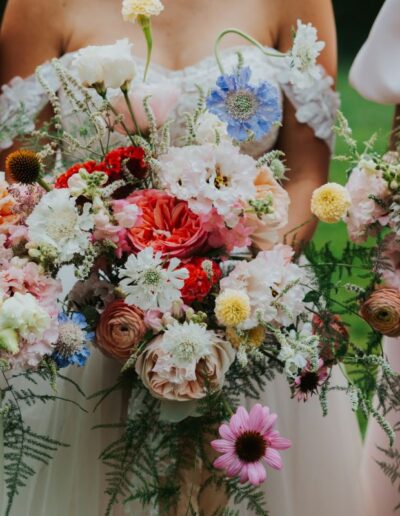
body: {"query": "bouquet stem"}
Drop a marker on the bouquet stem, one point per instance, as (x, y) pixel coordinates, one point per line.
(44, 184)
(130, 109)
(145, 23)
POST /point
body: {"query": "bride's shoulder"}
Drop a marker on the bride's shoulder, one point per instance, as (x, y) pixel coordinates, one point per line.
(31, 33)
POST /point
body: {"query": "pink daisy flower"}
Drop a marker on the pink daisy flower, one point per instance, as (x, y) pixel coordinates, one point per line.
(308, 381)
(247, 440)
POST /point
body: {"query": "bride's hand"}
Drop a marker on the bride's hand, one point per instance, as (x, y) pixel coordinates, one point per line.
(163, 100)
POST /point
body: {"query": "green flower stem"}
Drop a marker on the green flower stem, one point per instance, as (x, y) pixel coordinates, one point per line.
(247, 38)
(130, 109)
(44, 184)
(145, 23)
(104, 97)
(226, 405)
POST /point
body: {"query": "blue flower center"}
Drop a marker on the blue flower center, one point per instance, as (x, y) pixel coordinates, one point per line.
(241, 104)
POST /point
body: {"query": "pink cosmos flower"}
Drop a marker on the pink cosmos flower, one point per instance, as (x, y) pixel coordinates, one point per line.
(246, 441)
(308, 381)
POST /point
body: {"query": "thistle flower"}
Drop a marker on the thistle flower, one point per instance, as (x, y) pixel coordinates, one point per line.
(232, 307)
(249, 111)
(382, 311)
(23, 166)
(330, 202)
(249, 439)
(71, 346)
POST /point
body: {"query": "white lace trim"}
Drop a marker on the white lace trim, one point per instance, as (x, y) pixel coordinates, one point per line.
(315, 106)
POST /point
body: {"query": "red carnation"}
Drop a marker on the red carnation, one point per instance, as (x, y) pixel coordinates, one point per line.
(132, 157)
(89, 166)
(203, 275)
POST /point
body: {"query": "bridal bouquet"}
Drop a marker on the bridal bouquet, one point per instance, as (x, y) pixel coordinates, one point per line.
(180, 274)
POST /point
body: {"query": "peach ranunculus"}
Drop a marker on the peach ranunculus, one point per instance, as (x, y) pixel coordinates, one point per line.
(120, 330)
(7, 205)
(266, 232)
(167, 225)
(168, 382)
(163, 100)
(382, 311)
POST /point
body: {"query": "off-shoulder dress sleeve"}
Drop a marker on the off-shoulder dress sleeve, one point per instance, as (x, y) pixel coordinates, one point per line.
(375, 73)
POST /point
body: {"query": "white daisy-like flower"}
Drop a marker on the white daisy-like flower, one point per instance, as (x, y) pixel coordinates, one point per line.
(185, 344)
(150, 284)
(302, 59)
(210, 176)
(56, 222)
(131, 9)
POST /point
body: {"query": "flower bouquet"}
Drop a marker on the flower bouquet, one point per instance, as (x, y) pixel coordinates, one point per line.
(180, 275)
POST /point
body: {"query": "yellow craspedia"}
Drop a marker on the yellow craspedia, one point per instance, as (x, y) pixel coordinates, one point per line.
(131, 9)
(232, 307)
(252, 338)
(330, 202)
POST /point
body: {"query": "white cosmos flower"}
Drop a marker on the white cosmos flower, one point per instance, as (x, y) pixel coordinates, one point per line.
(131, 9)
(22, 313)
(56, 222)
(210, 176)
(107, 66)
(185, 344)
(302, 59)
(149, 284)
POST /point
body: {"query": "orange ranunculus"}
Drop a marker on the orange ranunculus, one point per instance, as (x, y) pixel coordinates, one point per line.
(167, 225)
(382, 311)
(7, 204)
(120, 330)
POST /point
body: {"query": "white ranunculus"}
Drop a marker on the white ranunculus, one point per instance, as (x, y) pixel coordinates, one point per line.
(131, 9)
(210, 129)
(107, 66)
(56, 222)
(22, 313)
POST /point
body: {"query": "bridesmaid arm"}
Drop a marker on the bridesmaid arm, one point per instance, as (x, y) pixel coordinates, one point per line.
(307, 156)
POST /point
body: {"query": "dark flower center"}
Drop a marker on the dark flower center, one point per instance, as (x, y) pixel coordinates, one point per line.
(309, 382)
(250, 446)
(383, 315)
(241, 104)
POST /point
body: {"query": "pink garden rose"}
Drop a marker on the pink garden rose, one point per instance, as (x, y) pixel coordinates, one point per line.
(163, 99)
(364, 211)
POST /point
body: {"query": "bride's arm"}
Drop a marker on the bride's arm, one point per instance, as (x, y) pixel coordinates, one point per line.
(308, 157)
(31, 33)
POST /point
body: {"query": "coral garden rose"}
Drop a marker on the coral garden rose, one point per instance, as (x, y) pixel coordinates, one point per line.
(266, 230)
(120, 330)
(167, 225)
(167, 382)
(382, 311)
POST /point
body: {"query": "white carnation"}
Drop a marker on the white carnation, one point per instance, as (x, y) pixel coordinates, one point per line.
(131, 9)
(106, 66)
(22, 313)
(56, 222)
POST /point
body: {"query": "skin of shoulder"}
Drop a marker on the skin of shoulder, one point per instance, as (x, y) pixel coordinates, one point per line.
(31, 33)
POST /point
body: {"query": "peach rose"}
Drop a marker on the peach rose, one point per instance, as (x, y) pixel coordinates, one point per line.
(165, 385)
(266, 232)
(120, 330)
(382, 311)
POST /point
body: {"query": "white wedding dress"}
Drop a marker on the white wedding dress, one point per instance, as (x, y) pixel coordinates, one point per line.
(320, 471)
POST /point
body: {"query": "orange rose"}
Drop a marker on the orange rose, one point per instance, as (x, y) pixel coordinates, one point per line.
(120, 330)
(382, 311)
(266, 232)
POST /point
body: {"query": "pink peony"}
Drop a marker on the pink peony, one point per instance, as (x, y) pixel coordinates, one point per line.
(249, 439)
(163, 99)
(221, 235)
(167, 225)
(364, 212)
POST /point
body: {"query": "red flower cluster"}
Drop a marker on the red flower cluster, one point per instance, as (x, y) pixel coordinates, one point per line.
(201, 279)
(133, 157)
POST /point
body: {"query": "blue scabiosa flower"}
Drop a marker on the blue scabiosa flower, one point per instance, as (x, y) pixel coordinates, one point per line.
(248, 110)
(71, 347)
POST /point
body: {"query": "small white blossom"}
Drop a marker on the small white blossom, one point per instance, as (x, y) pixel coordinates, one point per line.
(22, 313)
(211, 129)
(149, 284)
(56, 223)
(131, 9)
